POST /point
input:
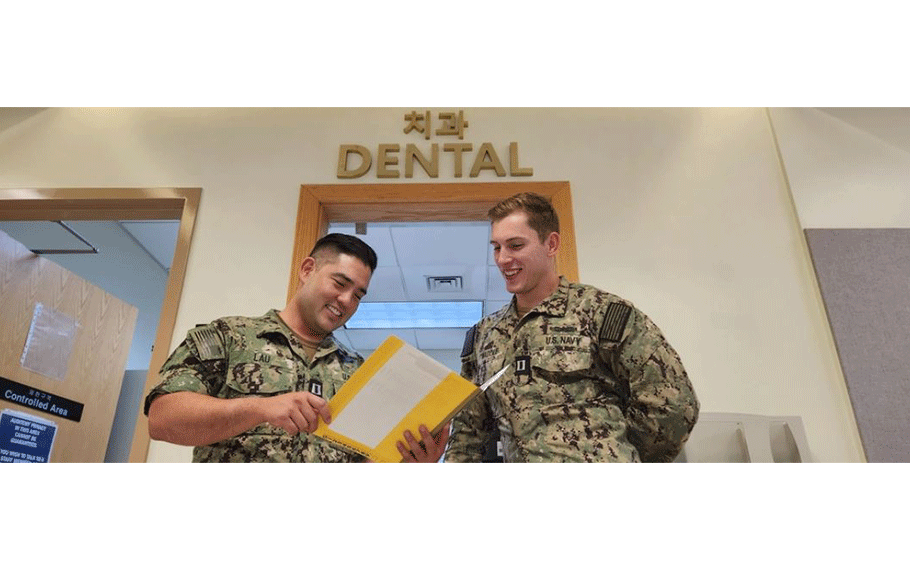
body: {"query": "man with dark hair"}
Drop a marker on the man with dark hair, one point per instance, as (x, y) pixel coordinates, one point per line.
(333, 244)
(253, 389)
(589, 378)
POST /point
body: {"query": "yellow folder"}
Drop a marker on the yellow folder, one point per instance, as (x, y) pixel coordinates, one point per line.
(397, 388)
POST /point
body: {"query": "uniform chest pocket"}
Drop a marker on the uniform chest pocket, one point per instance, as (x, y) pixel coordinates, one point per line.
(489, 363)
(562, 365)
(260, 379)
(331, 384)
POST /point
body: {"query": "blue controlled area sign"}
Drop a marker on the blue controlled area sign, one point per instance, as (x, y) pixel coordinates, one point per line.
(25, 438)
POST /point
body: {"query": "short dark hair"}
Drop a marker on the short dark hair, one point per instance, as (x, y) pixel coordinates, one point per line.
(337, 243)
(541, 215)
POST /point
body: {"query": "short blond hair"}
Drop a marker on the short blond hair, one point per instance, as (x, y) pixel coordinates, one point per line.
(541, 215)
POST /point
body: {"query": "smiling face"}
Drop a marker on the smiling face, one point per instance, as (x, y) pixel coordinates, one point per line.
(329, 293)
(527, 264)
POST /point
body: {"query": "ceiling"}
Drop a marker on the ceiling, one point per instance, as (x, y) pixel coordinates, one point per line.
(891, 125)
(11, 116)
(157, 238)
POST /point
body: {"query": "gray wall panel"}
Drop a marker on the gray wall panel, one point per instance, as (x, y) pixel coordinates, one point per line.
(864, 276)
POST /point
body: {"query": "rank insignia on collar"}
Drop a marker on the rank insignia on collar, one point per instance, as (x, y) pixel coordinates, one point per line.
(522, 365)
(315, 387)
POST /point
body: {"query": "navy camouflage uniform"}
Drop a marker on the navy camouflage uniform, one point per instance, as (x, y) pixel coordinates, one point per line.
(592, 379)
(235, 357)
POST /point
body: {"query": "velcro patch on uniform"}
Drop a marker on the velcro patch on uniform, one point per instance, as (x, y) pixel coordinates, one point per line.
(315, 387)
(522, 365)
(469, 341)
(564, 329)
(615, 321)
(208, 342)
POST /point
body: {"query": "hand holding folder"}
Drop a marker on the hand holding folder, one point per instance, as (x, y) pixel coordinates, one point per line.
(428, 448)
(397, 388)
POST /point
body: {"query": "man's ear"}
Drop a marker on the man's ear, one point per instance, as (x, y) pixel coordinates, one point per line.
(307, 268)
(552, 243)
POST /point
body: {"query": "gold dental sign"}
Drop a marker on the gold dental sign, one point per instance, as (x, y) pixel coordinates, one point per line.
(355, 160)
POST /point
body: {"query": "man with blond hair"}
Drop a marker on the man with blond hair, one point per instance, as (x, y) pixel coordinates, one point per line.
(589, 377)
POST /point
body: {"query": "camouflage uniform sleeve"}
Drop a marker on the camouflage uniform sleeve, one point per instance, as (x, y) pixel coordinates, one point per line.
(662, 407)
(469, 434)
(197, 365)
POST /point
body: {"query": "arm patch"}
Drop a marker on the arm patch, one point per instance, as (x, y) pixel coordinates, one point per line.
(615, 321)
(469, 341)
(208, 341)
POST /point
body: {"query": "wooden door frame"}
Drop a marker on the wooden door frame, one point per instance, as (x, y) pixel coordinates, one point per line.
(320, 205)
(113, 204)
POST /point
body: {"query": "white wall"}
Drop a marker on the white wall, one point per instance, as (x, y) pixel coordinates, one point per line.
(683, 211)
(847, 168)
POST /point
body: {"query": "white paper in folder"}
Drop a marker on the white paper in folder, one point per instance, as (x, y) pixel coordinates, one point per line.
(406, 378)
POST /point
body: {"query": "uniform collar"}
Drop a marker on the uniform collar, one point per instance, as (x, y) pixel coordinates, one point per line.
(556, 305)
(274, 324)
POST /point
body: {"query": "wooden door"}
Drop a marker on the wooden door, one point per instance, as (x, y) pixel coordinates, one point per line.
(63, 349)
